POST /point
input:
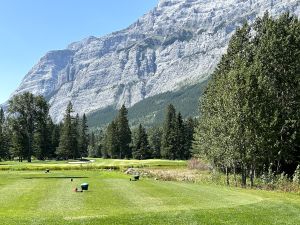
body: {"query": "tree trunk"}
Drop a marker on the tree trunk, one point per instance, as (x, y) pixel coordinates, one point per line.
(244, 176)
(278, 167)
(252, 176)
(29, 151)
(234, 174)
(227, 176)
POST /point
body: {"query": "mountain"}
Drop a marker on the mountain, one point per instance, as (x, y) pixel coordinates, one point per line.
(151, 111)
(175, 45)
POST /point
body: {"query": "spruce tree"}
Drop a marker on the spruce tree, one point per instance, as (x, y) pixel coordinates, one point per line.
(169, 148)
(180, 137)
(54, 134)
(83, 141)
(155, 137)
(140, 144)
(189, 126)
(75, 136)
(92, 151)
(112, 140)
(65, 149)
(123, 133)
(100, 144)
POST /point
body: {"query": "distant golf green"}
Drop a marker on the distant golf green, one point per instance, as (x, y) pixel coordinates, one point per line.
(36, 197)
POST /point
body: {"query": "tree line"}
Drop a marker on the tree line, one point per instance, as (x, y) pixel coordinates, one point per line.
(249, 121)
(28, 131)
(172, 140)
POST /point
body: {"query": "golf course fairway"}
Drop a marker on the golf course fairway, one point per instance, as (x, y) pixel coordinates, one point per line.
(36, 197)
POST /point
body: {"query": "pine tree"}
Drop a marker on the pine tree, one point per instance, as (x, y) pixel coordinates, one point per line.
(66, 146)
(155, 137)
(140, 144)
(83, 141)
(189, 126)
(180, 137)
(54, 135)
(92, 151)
(123, 133)
(75, 136)
(100, 144)
(169, 148)
(111, 140)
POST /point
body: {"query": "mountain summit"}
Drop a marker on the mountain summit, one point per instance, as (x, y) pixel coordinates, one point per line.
(176, 44)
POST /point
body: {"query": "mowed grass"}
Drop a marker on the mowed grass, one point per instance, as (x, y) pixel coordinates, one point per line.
(34, 197)
(96, 163)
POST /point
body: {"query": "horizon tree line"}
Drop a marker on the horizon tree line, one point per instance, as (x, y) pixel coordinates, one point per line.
(28, 131)
(118, 141)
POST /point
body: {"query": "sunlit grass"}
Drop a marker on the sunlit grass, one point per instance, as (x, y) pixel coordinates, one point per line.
(34, 197)
(96, 163)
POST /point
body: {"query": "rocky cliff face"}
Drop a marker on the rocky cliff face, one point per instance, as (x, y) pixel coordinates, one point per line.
(177, 43)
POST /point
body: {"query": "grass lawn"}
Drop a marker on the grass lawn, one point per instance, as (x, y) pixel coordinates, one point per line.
(97, 163)
(33, 197)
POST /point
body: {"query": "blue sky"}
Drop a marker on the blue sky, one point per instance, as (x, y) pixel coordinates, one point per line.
(30, 28)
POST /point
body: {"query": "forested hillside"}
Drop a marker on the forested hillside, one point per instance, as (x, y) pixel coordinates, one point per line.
(150, 111)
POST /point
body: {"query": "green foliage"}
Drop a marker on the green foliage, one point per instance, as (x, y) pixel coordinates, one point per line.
(268, 176)
(123, 133)
(177, 136)
(42, 135)
(92, 147)
(140, 148)
(68, 144)
(155, 136)
(4, 137)
(118, 137)
(111, 146)
(83, 137)
(250, 112)
(296, 176)
(169, 148)
(54, 130)
(28, 120)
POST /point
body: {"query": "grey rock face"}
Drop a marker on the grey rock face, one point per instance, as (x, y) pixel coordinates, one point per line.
(177, 43)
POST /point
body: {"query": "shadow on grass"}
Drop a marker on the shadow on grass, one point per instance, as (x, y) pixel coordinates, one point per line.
(66, 177)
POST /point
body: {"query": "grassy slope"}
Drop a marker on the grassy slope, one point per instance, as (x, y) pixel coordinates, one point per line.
(33, 197)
